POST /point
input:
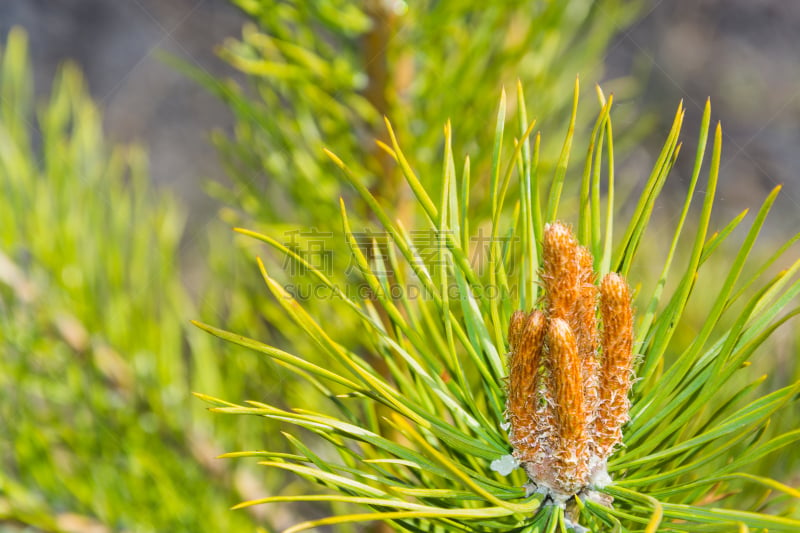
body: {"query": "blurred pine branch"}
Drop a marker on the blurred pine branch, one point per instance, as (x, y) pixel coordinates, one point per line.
(324, 74)
(96, 361)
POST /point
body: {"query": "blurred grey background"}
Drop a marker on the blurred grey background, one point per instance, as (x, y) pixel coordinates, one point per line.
(744, 54)
(116, 44)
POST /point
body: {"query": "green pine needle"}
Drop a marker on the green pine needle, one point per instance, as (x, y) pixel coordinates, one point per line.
(413, 426)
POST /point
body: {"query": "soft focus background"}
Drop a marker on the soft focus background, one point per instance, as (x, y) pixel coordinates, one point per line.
(741, 54)
(99, 430)
(116, 44)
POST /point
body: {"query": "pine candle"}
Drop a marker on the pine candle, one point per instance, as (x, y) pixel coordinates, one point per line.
(568, 378)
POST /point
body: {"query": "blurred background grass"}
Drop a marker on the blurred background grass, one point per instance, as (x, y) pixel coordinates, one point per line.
(108, 250)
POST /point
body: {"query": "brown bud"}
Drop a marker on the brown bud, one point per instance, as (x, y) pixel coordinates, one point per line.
(617, 364)
(560, 270)
(523, 381)
(565, 380)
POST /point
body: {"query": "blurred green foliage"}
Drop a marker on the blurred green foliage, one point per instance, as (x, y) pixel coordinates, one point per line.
(97, 359)
(323, 75)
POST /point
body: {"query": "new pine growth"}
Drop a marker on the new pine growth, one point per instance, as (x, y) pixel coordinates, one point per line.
(569, 379)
